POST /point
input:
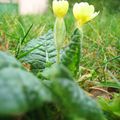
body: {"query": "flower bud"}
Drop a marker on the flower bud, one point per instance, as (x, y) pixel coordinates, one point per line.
(60, 8)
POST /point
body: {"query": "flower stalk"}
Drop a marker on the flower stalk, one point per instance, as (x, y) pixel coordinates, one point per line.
(83, 12)
(59, 35)
(60, 9)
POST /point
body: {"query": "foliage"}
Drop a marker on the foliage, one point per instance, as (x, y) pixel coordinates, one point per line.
(72, 95)
(31, 93)
(99, 65)
(39, 52)
(72, 62)
(20, 91)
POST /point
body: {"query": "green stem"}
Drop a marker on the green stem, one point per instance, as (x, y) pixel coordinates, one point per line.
(81, 47)
(59, 36)
(58, 56)
(81, 43)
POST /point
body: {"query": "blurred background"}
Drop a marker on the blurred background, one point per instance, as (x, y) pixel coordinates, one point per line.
(40, 6)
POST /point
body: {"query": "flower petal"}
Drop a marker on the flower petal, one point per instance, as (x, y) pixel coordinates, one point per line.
(94, 15)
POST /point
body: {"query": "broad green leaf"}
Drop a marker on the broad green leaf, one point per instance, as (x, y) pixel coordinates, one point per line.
(73, 101)
(7, 60)
(43, 54)
(20, 91)
(71, 55)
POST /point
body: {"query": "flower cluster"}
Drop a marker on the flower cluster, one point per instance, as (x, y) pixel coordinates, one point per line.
(83, 12)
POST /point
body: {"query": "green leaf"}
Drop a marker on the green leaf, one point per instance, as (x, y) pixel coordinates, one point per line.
(20, 91)
(7, 60)
(71, 98)
(44, 53)
(71, 56)
(74, 101)
(57, 71)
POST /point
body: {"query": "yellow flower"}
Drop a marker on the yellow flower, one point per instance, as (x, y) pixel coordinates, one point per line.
(84, 12)
(60, 8)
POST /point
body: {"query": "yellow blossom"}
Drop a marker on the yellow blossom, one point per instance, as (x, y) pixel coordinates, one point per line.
(84, 12)
(60, 8)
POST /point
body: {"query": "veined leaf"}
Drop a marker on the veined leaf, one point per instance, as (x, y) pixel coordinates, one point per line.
(71, 56)
(41, 56)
